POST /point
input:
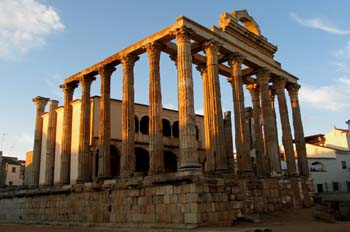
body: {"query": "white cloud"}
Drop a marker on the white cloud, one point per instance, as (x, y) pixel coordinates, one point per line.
(333, 97)
(320, 24)
(25, 24)
(169, 106)
(199, 111)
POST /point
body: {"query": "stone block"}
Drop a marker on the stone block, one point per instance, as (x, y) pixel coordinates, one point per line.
(192, 218)
(173, 198)
(166, 199)
(169, 189)
(185, 188)
(160, 190)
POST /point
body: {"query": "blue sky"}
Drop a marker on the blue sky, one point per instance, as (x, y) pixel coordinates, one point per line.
(44, 41)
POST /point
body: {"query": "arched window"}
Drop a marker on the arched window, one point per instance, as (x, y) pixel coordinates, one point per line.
(142, 160)
(170, 161)
(166, 128)
(176, 129)
(144, 122)
(136, 125)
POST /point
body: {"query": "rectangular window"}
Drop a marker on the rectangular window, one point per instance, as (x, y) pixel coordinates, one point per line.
(319, 188)
(14, 169)
(343, 164)
(348, 186)
(335, 186)
(10, 183)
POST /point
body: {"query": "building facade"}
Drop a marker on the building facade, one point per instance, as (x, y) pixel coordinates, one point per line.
(11, 171)
(329, 160)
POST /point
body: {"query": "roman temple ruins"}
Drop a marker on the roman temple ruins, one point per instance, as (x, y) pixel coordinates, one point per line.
(102, 160)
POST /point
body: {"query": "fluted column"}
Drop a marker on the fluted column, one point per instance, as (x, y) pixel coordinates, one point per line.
(50, 143)
(208, 140)
(40, 103)
(84, 163)
(263, 77)
(68, 90)
(217, 123)
(272, 94)
(104, 165)
(298, 130)
(261, 169)
(241, 136)
(128, 159)
(229, 142)
(187, 123)
(287, 140)
(155, 111)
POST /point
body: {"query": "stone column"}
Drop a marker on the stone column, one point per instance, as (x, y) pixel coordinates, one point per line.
(50, 143)
(261, 170)
(229, 142)
(263, 77)
(243, 154)
(84, 159)
(155, 111)
(68, 90)
(272, 93)
(128, 159)
(208, 140)
(287, 140)
(298, 130)
(215, 110)
(104, 165)
(187, 121)
(40, 103)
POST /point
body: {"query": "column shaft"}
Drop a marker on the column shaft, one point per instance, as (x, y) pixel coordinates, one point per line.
(40, 104)
(68, 90)
(287, 139)
(263, 77)
(155, 111)
(215, 110)
(104, 165)
(84, 159)
(272, 94)
(241, 136)
(298, 130)
(187, 123)
(208, 140)
(229, 142)
(128, 158)
(261, 170)
(50, 143)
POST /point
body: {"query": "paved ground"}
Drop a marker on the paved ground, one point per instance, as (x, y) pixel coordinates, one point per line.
(287, 221)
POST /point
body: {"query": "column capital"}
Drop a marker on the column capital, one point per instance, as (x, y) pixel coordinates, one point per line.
(279, 84)
(86, 79)
(129, 59)
(40, 102)
(53, 103)
(235, 57)
(106, 70)
(154, 46)
(182, 33)
(263, 75)
(211, 44)
(69, 87)
(253, 88)
(293, 89)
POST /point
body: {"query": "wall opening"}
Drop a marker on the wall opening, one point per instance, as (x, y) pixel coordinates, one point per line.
(115, 161)
(170, 161)
(166, 128)
(176, 129)
(144, 123)
(142, 160)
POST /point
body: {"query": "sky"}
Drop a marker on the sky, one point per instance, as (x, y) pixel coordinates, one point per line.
(42, 42)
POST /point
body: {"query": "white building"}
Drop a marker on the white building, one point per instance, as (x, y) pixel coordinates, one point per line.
(329, 160)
